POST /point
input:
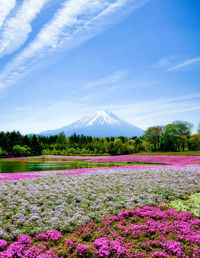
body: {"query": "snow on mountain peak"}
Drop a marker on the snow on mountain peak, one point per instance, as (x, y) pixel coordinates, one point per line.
(99, 124)
(100, 117)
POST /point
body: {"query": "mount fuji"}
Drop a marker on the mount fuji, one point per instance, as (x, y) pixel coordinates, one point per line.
(98, 124)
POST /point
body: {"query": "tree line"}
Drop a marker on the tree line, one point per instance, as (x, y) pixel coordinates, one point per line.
(176, 136)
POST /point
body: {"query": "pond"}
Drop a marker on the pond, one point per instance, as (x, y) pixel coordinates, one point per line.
(12, 166)
(47, 164)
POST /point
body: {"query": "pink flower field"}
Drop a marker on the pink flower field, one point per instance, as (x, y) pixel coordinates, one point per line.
(162, 159)
(107, 212)
(143, 232)
(17, 176)
(169, 161)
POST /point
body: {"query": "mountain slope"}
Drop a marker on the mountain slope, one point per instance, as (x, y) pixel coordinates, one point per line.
(99, 124)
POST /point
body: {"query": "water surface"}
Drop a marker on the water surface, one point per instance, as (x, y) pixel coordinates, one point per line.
(11, 166)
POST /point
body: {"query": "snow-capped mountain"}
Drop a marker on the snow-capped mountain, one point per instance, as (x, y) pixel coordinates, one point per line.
(99, 124)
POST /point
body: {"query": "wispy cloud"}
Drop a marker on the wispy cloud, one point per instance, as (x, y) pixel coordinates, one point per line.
(76, 22)
(185, 63)
(136, 110)
(163, 117)
(5, 8)
(176, 99)
(149, 112)
(111, 79)
(143, 112)
(16, 29)
(173, 63)
(162, 62)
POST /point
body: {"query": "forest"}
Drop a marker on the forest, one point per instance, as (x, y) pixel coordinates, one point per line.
(174, 137)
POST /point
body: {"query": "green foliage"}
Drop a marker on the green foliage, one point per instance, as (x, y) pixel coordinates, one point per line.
(1, 151)
(153, 134)
(165, 193)
(19, 151)
(189, 125)
(61, 139)
(174, 137)
(35, 145)
(192, 203)
(194, 142)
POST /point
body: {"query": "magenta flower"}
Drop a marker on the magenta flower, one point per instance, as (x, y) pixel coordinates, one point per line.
(3, 244)
(49, 235)
(82, 249)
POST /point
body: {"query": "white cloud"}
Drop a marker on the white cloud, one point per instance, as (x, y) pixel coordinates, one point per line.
(159, 104)
(170, 63)
(111, 79)
(185, 63)
(145, 114)
(170, 109)
(6, 7)
(16, 29)
(136, 111)
(76, 22)
(176, 99)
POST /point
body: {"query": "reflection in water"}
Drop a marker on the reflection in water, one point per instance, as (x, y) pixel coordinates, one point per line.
(7, 166)
(14, 166)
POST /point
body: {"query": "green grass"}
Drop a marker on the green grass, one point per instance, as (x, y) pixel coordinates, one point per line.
(113, 164)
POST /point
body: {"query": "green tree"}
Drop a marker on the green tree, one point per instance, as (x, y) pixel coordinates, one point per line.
(184, 131)
(194, 142)
(153, 135)
(26, 140)
(35, 145)
(148, 146)
(175, 137)
(1, 151)
(19, 151)
(138, 144)
(61, 140)
(118, 144)
(189, 125)
(111, 148)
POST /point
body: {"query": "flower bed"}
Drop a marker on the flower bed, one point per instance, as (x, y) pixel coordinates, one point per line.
(162, 159)
(30, 206)
(169, 161)
(143, 232)
(17, 176)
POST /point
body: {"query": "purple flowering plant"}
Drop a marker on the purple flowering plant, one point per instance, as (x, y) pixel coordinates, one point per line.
(143, 232)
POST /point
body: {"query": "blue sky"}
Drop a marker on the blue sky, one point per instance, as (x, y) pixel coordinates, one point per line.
(63, 59)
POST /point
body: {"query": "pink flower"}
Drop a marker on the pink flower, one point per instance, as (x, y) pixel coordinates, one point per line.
(173, 248)
(48, 254)
(49, 235)
(24, 239)
(3, 244)
(82, 249)
(159, 254)
(34, 251)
